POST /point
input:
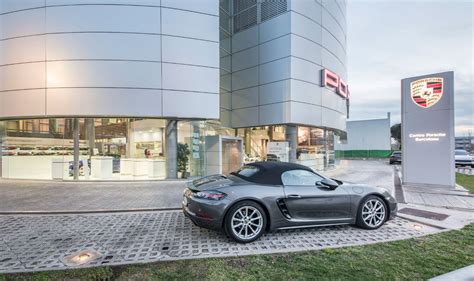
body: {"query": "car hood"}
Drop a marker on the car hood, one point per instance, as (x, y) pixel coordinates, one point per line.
(214, 182)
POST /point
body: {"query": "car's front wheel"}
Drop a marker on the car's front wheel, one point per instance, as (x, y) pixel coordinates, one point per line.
(245, 222)
(372, 213)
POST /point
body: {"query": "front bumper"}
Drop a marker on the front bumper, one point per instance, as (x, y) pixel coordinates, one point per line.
(393, 210)
(392, 205)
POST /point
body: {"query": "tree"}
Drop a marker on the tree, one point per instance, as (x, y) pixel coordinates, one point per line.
(396, 132)
(183, 158)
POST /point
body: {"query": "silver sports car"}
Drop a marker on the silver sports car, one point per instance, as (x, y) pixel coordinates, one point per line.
(267, 196)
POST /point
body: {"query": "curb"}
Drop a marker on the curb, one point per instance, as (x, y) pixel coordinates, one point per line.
(421, 222)
(64, 212)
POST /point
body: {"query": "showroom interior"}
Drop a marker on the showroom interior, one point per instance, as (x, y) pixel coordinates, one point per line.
(249, 81)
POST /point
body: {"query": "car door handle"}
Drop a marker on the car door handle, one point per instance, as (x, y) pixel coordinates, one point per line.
(294, 196)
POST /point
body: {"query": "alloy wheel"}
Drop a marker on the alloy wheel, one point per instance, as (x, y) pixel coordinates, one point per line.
(373, 213)
(247, 222)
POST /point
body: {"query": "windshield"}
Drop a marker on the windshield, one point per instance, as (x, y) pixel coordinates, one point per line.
(460, 152)
(396, 153)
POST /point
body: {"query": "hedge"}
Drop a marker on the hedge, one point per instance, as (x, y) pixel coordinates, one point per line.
(363, 153)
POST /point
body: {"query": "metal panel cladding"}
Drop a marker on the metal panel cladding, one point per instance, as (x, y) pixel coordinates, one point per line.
(140, 58)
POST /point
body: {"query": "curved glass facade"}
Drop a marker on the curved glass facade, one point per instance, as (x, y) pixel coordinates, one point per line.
(106, 148)
(116, 98)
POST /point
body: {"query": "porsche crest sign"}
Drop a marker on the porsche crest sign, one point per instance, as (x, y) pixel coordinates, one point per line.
(428, 130)
(426, 92)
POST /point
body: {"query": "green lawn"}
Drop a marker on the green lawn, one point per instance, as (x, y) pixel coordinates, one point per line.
(419, 258)
(466, 181)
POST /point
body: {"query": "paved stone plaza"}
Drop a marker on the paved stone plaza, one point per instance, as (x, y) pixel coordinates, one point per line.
(374, 172)
(42, 242)
(33, 242)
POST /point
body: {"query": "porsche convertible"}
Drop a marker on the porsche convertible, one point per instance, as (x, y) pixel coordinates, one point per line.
(268, 196)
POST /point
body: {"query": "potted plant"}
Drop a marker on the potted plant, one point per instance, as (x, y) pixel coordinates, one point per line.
(183, 158)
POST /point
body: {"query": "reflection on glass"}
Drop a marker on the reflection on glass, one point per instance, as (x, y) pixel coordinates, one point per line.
(108, 148)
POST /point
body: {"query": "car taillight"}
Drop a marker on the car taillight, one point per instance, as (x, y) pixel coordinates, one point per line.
(211, 195)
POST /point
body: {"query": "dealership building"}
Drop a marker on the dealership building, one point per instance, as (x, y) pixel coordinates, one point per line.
(111, 89)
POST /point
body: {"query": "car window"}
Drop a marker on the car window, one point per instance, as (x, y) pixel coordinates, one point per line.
(300, 177)
(396, 154)
(460, 152)
(247, 171)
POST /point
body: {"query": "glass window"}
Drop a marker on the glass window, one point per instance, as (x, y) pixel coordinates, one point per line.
(247, 171)
(300, 177)
(461, 152)
(193, 134)
(44, 125)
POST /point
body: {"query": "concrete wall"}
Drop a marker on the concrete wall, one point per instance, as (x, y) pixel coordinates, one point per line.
(150, 58)
(367, 135)
(276, 67)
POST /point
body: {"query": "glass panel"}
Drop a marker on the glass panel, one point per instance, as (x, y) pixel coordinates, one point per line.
(144, 154)
(193, 134)
(108, 149)
(247, 171)
(231, 156)
(315, 148)
(330, 152)
(2, 137)
(33, 149)
(123, 149)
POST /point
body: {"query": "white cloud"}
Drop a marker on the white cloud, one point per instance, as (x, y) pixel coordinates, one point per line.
(392, 40)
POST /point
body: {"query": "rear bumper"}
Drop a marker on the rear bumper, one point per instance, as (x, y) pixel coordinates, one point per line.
(204, 213)
(202, 222)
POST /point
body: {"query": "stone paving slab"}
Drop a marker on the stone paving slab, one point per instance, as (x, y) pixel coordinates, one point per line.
(50, 196)
(424, 196)
(41, 242)
(454, 198)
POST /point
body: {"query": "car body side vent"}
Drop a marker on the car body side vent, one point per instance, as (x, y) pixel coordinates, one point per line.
(283, 208)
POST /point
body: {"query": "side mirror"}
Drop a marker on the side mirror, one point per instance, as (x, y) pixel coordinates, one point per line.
(329, 183)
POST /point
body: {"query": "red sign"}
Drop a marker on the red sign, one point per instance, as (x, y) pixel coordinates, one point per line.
(333, 81)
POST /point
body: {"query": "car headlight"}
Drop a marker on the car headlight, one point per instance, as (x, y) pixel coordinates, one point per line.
(210, 194)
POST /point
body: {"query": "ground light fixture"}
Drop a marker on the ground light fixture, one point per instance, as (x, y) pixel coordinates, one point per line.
(417, 226)
(81, 257)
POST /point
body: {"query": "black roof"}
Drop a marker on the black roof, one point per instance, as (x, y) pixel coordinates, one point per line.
(270, 172)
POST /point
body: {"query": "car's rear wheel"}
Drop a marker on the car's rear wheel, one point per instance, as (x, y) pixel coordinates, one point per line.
(245, 222)
(372, 213)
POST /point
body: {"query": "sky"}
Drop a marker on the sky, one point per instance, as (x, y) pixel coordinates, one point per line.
(389, 40)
